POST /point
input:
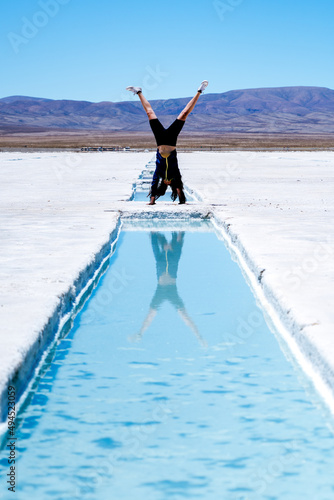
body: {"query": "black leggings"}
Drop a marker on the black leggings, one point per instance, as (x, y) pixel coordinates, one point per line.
(163, 136)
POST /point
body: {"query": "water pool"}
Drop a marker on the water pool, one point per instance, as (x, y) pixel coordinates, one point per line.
(171, 386)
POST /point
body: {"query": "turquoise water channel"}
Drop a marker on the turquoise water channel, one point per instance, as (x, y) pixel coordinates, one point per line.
(171, 386)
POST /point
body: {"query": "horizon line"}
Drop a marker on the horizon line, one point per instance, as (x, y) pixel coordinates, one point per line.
(170, 98)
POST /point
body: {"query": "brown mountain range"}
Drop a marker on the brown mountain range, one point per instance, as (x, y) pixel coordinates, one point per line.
(297, 110)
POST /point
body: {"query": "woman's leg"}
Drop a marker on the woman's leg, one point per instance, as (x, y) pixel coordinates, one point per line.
(190, 106)
(151, 116)
(147, 106)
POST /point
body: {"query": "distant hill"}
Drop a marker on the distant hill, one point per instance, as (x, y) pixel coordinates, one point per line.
(268, 110)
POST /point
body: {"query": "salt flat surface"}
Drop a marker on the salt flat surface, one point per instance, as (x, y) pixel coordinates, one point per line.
(59, 209)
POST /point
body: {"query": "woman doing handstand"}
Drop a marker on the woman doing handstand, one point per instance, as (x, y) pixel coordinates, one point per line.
(166, 161)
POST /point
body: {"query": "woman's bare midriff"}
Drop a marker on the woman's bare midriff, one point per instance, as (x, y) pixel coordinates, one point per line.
(166, 150)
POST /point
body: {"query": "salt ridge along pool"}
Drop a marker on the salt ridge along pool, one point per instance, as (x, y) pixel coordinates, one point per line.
(170, 385)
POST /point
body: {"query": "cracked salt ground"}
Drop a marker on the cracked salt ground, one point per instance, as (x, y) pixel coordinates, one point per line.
(170, 385)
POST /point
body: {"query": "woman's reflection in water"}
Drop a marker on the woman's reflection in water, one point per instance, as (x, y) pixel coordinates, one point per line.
(167, 257)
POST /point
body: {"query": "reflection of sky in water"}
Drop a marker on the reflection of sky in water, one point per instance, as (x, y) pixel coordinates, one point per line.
(171, 386)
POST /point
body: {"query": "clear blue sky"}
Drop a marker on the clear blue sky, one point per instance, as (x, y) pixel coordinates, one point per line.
(92, 49)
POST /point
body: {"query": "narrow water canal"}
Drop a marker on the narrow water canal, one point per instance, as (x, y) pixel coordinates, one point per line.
(171, 386)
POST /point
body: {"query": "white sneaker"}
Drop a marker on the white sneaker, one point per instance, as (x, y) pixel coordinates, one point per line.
(203, 86)
(135, 90)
